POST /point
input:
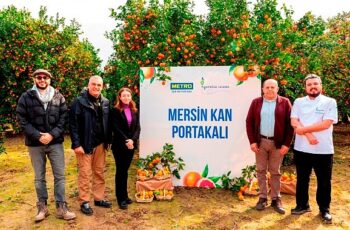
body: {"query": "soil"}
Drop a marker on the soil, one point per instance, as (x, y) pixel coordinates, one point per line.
(191, 208)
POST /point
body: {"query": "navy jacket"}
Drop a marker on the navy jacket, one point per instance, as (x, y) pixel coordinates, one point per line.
(82, 118)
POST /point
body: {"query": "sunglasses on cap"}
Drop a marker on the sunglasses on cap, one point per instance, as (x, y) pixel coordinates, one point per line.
(42, 77)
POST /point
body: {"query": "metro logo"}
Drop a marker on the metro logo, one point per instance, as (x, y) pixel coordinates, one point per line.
(181, 86)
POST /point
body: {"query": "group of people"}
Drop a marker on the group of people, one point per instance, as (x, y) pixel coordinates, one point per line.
(94, 127)
(271, 124)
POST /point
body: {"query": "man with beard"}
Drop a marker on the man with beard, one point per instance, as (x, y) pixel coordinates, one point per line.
(313, 117)
(41, 112)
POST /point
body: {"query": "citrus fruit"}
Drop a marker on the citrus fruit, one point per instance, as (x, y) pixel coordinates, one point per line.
(205, 183)
(191, 179)
(148, 72)
(239, 73)
(253, 71)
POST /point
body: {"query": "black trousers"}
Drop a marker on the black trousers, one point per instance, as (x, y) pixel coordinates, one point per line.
(123, 158)
(322, 165)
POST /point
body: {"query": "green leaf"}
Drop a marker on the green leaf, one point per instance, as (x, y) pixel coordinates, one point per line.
(142, 76)
(239, 83)
(218, 186)
(233, 46)
(205, 171)
(152, 79)
(259, 76)
(232, 67)
(215, 178)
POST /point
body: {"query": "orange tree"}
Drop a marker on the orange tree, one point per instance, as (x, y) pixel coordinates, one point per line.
(262, 38)
(27, 44)
(335, 60)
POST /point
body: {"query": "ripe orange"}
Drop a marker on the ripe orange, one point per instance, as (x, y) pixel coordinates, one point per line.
(240, 74)
(148, 72)
(191, 179)
(253, 71)
(283, 82)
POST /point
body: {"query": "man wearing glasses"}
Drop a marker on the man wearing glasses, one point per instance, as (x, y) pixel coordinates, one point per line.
(313, 117)
(41, 112)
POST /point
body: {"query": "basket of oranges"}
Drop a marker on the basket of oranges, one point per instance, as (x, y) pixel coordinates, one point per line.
(144, 196)
(288, 183)
(163, 194)
(143, 174)
(162, 174)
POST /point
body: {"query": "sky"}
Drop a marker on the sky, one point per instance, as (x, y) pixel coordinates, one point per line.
(94, 18)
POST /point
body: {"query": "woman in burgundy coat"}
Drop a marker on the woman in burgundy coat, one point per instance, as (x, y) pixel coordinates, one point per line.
(126, 131)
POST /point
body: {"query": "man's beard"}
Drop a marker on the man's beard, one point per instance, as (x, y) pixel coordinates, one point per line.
(40, 87)
(313, 94)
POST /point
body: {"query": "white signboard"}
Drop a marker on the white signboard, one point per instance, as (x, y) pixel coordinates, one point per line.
(202, 112)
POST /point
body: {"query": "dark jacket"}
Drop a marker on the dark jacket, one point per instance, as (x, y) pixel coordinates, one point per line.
(33, 118)
(82, 118)
(283, 132)
(121, 130)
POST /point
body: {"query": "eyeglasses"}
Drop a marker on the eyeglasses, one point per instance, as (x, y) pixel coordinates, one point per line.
(42, 77)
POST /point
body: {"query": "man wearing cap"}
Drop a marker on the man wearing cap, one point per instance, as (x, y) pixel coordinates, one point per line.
(313, 117)
(89, 131)
(41, 112)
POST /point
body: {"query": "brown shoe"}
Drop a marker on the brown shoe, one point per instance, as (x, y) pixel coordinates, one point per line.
(277, 205)
(261, 205)
(62, 211)
(42, 211)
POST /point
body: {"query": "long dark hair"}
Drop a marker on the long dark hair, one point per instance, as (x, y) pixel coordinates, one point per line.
(118, 103)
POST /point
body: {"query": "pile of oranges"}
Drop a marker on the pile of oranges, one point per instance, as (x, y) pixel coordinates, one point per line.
(144, 196)
(162, 173)
(143, 174)
(251, 188)
(163, 194)
(288, 177)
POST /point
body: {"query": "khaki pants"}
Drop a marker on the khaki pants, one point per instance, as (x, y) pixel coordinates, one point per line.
(91, 165)
(268, 159)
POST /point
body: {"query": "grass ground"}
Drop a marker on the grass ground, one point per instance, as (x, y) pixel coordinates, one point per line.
(190, 208)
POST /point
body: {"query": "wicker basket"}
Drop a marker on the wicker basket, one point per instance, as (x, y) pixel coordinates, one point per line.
(144, 178)
(164, 197)
(162, 177)
(288, 187)
(251, 193)
(159, 197)
(140, 198)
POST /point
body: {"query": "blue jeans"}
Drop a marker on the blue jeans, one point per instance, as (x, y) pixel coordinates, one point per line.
(38, 158)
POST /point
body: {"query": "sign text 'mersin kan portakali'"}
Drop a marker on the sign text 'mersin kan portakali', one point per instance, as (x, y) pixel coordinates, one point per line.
(198, 114)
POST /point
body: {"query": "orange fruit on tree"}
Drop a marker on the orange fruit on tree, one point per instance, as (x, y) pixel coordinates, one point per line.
(283, 82)
(191, 179)
(253, 71)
